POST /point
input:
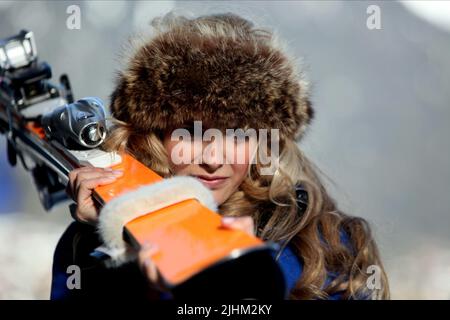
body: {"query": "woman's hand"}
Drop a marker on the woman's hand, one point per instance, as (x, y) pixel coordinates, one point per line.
(149, 250)
(82, 181)
(245, 223)
(148, 267)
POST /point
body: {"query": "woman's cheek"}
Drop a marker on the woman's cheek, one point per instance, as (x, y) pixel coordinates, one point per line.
(182, 153)
(239, 173)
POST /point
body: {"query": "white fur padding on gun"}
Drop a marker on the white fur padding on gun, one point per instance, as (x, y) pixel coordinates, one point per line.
(141, 201)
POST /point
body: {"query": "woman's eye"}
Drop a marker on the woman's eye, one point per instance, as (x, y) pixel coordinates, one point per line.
(238, 136)
(189, 128)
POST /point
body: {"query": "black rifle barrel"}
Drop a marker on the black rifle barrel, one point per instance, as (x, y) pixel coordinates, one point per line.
(28, 143)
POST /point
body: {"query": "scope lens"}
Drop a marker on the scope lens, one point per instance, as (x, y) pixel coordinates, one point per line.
(93, 134)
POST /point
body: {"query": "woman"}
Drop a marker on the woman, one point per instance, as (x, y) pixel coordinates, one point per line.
(224, 72)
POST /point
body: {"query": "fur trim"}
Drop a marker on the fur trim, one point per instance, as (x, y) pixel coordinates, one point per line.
(131, 205)
(217, 69)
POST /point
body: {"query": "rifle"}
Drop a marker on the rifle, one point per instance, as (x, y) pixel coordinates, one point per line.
(51, 134)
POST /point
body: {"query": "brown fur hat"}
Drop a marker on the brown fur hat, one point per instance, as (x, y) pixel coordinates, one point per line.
(216, 68)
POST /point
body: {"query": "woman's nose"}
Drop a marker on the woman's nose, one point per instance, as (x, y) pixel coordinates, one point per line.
(210, 167)
(212, 156)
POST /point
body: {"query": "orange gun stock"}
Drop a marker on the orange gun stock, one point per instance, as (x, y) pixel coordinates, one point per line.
(188, 234)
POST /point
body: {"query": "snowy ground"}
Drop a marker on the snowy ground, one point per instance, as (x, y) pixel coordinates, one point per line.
(28, 242)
